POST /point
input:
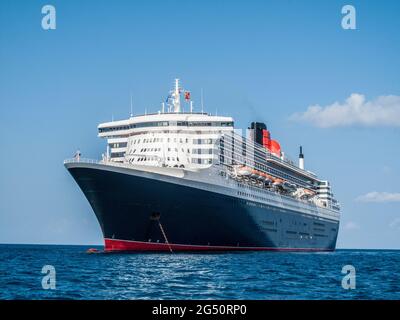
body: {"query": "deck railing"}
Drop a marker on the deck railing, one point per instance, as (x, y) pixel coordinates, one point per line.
(83, 160)
(95, 161)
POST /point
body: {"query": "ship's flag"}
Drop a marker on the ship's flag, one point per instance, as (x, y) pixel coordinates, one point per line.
(187, 95)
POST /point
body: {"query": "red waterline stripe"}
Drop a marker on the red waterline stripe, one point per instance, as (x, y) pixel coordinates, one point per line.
(130, 245)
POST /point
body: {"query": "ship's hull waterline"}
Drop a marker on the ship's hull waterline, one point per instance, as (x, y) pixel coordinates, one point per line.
(148, 213)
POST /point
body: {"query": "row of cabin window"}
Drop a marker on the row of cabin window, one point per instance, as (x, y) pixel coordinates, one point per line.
(196, 161)
(153, 158)
(201, 161)
(194, 151)
(202, 151)
(149, 140)
(160, 140)
(146, 159)
(148, 149)
(204, 124)
(181, 140)
(118, 145)
(167, 123)
(117, 154)
(203, 141)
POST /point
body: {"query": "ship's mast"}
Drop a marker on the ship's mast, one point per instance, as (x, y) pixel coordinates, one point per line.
(176, 97)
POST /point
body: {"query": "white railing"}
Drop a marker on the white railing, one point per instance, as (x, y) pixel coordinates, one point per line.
(83, 160)
(102, 162)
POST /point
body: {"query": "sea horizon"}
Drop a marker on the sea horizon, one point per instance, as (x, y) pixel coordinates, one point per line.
(102, 245)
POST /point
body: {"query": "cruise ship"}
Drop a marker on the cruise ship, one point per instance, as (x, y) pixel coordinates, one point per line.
(180, 180)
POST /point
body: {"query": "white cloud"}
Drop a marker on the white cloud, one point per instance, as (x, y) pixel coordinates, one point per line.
(351, 226)
(383, 111)
(379, 197)
(395, 224)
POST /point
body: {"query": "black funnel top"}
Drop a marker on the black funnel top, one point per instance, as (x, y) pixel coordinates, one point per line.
(258, 128)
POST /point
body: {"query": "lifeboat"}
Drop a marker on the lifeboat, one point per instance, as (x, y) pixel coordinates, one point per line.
(243, 171)
(278, 182)
(269, 177)
(304, 194)
(266, 177)
(287, 186)
(309, 192)
(257, 175)
(254, 173)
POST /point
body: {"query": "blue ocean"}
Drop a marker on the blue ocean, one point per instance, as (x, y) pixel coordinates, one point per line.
(245, 275)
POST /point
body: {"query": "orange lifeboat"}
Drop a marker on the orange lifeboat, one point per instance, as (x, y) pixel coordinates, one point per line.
(263, 175)
(309, 192)
(269, 177)
(278, 182)
(243, 171)
(256, 174)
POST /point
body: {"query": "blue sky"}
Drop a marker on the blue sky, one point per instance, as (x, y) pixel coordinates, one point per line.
(256, 60)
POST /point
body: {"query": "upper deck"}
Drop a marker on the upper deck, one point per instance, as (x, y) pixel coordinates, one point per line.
(157, 121)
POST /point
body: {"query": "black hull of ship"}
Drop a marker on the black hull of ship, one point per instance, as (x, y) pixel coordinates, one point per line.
(133, 211)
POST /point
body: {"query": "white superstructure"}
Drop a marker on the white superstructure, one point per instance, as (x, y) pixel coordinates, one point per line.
(172, 138)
